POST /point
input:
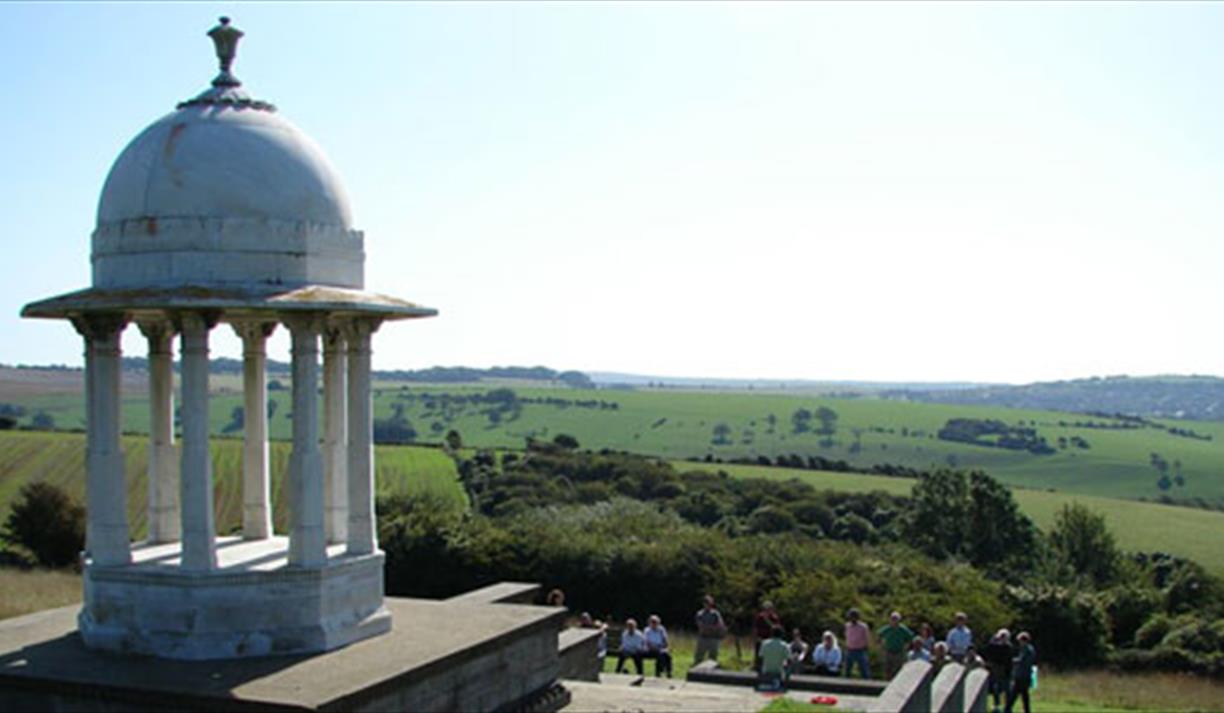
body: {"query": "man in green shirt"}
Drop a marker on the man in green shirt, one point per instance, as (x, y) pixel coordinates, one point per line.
(775, 653)
(896, 637)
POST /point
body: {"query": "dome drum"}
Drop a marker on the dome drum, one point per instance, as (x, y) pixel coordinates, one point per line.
(163, 252)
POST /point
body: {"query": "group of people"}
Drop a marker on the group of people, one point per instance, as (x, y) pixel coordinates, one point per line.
(1010, 665)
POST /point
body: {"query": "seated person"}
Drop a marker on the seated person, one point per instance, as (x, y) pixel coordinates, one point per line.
(774, 654)
(917, 650)
(632, 645)
(798, 652)
(973, 659)
(939, 656)
(586, 622)
(657, 646)
(827, 656)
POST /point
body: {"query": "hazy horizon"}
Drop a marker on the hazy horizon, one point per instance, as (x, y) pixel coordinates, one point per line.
(909, 192)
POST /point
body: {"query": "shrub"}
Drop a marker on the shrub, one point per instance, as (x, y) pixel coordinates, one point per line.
(48, 523)
(1128, 607)
(1153, 631)
(1069, 627)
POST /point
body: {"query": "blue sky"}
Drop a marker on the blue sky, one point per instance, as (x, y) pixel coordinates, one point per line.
(880, 191)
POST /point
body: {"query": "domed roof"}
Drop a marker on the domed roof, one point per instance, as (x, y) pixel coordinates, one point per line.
(225, 192)
(225, 208)
(223, 160)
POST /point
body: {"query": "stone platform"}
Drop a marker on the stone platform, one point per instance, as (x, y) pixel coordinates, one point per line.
(252, 604)
(440, 656)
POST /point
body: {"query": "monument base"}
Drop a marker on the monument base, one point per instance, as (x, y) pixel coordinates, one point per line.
(252, 604)
(440, 656)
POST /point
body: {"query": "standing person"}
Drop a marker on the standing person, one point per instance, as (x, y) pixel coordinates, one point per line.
(762, 627)
(710, 631)
(632, 645)
(1022, 672)
(927, 632)
(774, 655)
(895, 637)
(858, 638)
(960, 638)
(798, 651)
(998, 655)
(917, 652)
(827, 656)
(657, 646)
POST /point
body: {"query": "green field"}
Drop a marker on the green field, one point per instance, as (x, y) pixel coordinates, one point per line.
(680, 424)
(59, 458)
(1109, 476)
(1138, 526)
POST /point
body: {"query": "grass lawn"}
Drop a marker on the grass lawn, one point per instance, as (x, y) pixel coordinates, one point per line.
(1073, 691)
(28, 591)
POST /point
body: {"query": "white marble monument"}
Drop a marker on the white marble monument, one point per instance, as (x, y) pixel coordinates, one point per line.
(224, 212)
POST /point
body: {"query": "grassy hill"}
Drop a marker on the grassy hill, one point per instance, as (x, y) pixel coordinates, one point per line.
(1115, 460)
(1138, 526)
(59, 458)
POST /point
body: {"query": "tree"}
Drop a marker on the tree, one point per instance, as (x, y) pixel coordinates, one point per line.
(7, 423)
(48, 523)
(42, 421)
(722, 433)
(801, 420)
(454, 441)
(828, 420)
(566, 441)
(939, 518)
(1001, 539)
(1084, 545)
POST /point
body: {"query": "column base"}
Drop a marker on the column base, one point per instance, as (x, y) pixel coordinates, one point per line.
(253, 604)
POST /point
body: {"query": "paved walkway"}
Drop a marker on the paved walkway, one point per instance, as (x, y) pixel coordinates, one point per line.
(621, 693)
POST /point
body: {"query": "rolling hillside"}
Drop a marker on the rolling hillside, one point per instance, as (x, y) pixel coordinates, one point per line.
(59, 458)
(1090, 455)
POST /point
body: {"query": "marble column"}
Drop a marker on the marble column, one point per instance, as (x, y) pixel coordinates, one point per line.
(199, 543)
(106, 533)
(163, 468)
(362, 537)
(307, 540)
(256, 489)
(335, 436)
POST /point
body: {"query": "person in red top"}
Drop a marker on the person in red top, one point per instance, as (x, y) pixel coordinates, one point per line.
(762, 626)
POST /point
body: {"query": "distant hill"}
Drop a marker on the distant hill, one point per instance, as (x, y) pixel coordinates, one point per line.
(432, 375)
(1199, 398)
(848, 389)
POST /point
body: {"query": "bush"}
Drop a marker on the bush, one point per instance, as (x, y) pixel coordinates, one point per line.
(47, 523)
(1153, 631)
(1069, 627)
(1129, 607)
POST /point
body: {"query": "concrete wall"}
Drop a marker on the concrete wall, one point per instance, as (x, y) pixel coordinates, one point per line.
(948, 689)
(909, 691)
(579, 653)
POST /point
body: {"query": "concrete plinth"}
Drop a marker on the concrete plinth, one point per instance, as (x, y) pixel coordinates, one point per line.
(440, 656)
(251, 604)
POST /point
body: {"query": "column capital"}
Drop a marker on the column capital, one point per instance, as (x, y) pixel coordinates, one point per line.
(307, 322)
(99, 326)
(201, 321)
(158, 332)
(254, 329)
(333, 334)
(357, 330)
